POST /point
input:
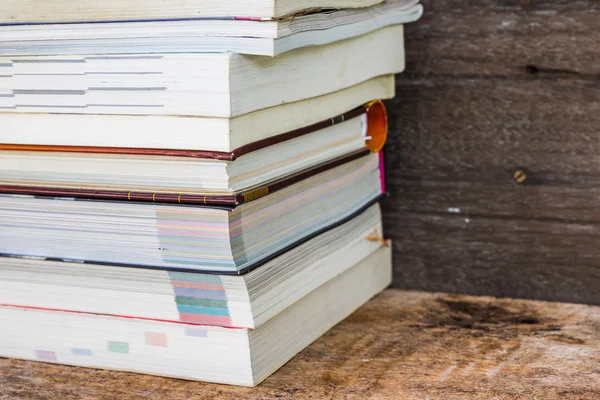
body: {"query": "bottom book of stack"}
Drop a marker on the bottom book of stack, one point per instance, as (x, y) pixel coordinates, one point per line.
(195, 351)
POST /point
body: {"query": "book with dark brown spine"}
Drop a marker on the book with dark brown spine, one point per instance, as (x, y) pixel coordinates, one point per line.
(184, 197)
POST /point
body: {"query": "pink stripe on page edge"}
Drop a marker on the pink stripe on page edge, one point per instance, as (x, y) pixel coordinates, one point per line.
(248, 18)
(196, 332)
(45, 355)
(382, 172)
(158, 339)
(204, 319)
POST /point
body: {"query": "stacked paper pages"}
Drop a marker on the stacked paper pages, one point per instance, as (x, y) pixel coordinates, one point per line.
(190, 188)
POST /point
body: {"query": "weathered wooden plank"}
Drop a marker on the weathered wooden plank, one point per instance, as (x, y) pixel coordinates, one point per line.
(545, 7)
(474, 124)
(455, 144)
(447, 195)
(502, 38)
(401, 345)
(507, 257)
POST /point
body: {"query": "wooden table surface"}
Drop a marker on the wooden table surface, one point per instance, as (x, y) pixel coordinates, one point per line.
(401, 345)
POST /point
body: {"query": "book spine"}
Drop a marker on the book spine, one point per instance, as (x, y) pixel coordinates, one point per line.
(382, 175)
(215, 155)
(178, 198)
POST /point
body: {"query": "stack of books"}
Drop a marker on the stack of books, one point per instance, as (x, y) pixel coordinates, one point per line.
(186, 194)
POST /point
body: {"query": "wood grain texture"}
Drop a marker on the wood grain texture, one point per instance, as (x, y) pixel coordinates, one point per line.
(501, 37)
(401, 345)
(492, 88)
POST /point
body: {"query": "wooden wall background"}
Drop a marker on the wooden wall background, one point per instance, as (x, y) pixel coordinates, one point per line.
(492, 87)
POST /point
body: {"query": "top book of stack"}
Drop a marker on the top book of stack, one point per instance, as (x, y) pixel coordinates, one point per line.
(192, 67)
(82, 31)
(35, 11)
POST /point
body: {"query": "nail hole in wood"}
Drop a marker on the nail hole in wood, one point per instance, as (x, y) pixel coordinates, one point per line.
(532, 69)
(520, 176)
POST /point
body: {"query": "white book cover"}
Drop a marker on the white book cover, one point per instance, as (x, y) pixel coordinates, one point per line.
(52, 11)
(256, 37)
(224, 85)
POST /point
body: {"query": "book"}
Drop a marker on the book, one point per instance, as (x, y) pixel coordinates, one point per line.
(258, 37)
(194, 172)
(239, 356)
(186, 133)
(185, 237)
(222, 85)
(32, 11)
(245, 301)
